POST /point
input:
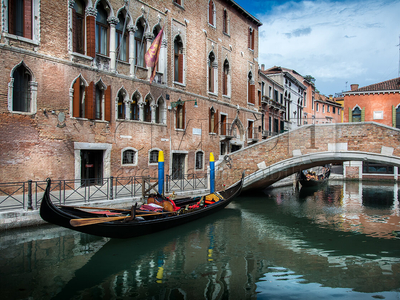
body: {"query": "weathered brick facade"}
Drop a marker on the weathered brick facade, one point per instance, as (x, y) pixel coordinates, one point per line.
(46, 140)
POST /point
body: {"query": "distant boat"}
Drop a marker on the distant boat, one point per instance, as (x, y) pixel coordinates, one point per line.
(311, 178)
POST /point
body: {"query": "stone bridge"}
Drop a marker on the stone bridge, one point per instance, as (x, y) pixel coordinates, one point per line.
(309, 146)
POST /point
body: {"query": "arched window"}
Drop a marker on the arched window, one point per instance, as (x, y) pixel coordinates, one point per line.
(212, 120)
(139, 45)
(78, 98)
(147, 110)
(225, 22)
(251, 89)
(178, 60)
(211, 15)
(98, 114)
(156, 31)
(225, 77)
(199, 160)
(21, 100)
(101, 30)
(160, 110)
(78, 26)
(251, 38)
(134, 108)
(121, 105)
(153, 156)
(122, 39)
(356, 115)
(129, 156)
(211, 60)
(180, 116)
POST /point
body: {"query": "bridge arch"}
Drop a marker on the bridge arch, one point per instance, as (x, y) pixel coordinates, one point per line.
(308, 146)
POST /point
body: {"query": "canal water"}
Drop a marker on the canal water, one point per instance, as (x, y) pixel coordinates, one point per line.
(338, 241)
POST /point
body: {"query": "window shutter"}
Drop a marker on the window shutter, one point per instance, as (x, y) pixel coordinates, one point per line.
(76, 99)
(11, 16)
(183, 115)
(215, 129)
(210, 13)
(350, 115)
(393, 116)
(89, 101)
(252, 93)
(180, 66)
(74, 32)
(209, 120)
(91, 36)
(28, 19)
(363, 115)
(259, 98)
(107, 104)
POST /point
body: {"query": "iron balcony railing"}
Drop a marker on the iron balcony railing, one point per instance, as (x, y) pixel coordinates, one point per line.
(28, 195)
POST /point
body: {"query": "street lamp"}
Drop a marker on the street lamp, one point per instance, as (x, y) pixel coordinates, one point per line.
(180, 102)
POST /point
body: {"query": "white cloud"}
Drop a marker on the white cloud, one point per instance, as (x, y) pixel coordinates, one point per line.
(335, 42)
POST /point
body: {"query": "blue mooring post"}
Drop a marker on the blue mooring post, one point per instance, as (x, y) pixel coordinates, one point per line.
(161, 172)
(212, 173)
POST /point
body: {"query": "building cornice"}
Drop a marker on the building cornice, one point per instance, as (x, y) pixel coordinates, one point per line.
(370, 92)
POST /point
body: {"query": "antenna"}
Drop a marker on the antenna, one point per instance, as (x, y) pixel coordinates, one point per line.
(399, 55)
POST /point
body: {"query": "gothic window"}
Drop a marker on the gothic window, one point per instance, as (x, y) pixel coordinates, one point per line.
(122, 38)
(356, 115)
(134, 107)
(211, 13)
(180, 116)
(211, 75)
(251, 38)
(21, 100)
(199, 160)
(178, 60)
(98, 102)
(156, 31)
(147, 110)
(78, 98)
(129, 156)
(121, 105)
(225, 79)
(153, 156)
(101, 30)
(251, 89)
(78, 26)
(160, 110)
(212, 120)
(139, 45)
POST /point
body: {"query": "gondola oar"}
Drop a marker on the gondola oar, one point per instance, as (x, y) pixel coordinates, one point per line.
(100, 208)
(92, 221)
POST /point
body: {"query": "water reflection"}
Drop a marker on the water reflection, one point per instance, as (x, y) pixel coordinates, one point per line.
(327, 243)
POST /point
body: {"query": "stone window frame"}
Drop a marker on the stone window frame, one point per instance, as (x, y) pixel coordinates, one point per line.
(32, 90)
(196, 158)
(212, 73)
(212, 14)
(135, 159)
(35, 24)
(150, 156)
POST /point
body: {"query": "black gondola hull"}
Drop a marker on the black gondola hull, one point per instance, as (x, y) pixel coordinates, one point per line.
(128, 229)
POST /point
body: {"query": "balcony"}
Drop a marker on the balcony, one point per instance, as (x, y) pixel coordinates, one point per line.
(272, 103)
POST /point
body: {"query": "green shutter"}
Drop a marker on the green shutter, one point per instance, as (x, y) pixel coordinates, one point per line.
(350, 115)
(363, 114)
(393, 116)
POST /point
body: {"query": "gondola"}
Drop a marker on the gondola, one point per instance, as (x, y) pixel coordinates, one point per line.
(132, 223)
(309, 181)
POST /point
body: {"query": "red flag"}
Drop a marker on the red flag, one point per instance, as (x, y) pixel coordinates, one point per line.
(151, 56)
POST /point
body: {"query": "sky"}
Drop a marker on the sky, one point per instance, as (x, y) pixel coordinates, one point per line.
(339, 43)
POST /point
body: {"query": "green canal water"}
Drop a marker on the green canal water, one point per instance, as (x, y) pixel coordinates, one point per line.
(335, 242)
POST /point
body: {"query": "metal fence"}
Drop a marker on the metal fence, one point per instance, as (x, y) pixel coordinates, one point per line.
(27, 195)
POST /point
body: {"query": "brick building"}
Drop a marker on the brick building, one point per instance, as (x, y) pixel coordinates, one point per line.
(326, 110)
(379, 102)
(75, 97)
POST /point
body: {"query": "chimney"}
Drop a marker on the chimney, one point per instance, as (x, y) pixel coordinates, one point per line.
(262, 67)
(354, 87)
